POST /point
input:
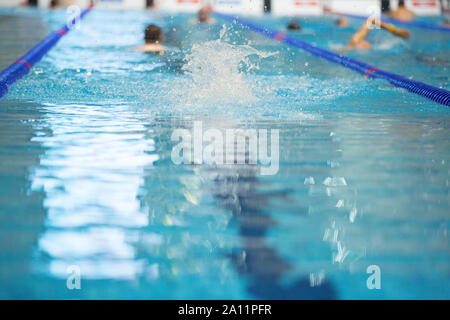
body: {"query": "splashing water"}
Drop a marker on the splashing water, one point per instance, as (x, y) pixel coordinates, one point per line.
(391, 44)
(217, 73)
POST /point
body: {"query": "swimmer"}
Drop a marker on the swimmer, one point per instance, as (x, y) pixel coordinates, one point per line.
(54, 4)
(342, 23)
(402, 13)
(294, 26)
(150, 4)
(432, 61)
(446, 23)
(358, 39)
(203, 16)
(153, 39)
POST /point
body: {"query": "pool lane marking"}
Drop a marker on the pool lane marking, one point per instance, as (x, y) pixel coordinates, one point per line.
(415, 24)
(12, 73)
(25, 63)
(62, 32)
(280, 36)
(435, 94)
(367, 74)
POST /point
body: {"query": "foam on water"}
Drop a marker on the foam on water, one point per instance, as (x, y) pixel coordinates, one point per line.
(216, 74)
(390, 43)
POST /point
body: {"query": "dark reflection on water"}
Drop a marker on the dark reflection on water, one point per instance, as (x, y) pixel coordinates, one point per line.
(22, 213)
(18, 35)
(261, 264)
(248, 201)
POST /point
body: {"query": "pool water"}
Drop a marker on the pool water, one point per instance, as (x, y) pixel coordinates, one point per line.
(87, 178)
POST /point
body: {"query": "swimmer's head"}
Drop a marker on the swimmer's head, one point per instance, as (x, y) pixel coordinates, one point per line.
(153, 34)
(294, 26)
(401, 3)
(203, 14)
(342, 22)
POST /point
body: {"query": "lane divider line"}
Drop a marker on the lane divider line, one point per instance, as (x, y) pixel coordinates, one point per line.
(62, 32)
(435, 94)
(23, 65)
(280, 36)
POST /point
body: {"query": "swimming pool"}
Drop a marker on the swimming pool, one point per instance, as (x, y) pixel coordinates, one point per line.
(87, 178)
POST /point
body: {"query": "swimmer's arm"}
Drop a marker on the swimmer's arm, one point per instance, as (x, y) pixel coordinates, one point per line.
(139, 48)
(360, 35)
(395, 31)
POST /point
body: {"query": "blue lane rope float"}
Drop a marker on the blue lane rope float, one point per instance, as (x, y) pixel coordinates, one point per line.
(413, 24)
(23, 65)
(435, 94)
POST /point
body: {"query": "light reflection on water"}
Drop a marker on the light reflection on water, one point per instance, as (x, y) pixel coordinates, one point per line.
(85, 220)
(87, 180)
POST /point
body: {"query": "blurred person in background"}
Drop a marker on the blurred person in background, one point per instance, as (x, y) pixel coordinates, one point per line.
(32, 3)
(54, 4)
(150, 4)
(402, 13)
(385, 5)
(203, 16)
(153, 40)
(342, 22)
(294, 26)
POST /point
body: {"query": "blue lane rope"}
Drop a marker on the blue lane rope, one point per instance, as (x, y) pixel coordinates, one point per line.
(24, 64)
(413, 24)
(435, 94)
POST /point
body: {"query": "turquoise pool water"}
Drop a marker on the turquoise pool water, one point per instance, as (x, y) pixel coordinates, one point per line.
(87, 178)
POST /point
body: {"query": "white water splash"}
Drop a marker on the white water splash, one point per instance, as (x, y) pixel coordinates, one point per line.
(217, 73)
(390, 44)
